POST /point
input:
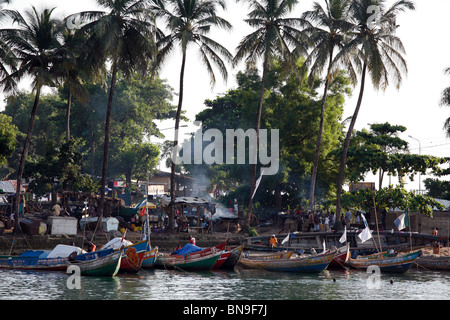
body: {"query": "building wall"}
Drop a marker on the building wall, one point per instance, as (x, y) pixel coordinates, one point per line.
(161, 181)
(423, 224)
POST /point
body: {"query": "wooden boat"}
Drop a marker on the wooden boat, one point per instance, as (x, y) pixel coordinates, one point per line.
(33, 260)
(51, 260)
(233, 259)
(149, 259)
(434, 263)
(223, 257)
(99, 263)
(191, 258)
(133, 255)
(398, 264)
(378, 255)
(341, 257)
(270, 256)
(399, 241)
(283, 262)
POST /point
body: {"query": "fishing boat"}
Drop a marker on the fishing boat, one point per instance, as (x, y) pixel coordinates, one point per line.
(133, 253)
(434, 263)
(233, 258)
(50, 260)
(223, 257)
(341, 257)
(33, 260)
(98, 263)
(149, 259)
(191, 257)
(399, 263)
(378, 255)
(284, 262)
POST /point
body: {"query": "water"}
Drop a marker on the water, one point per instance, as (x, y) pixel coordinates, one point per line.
(240, 284)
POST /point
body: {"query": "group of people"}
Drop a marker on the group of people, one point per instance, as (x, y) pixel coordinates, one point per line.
(328, 221)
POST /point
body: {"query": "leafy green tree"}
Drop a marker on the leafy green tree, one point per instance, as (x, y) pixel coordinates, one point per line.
(276, 38)
(59, 170)
(380, 149)
(378, 50)
(8, 133)
(135, 160)
(49, 125)
(292, 106)
(33, 44)
(188, 23)
(386, 198)
(436, 188)
(124, 34)
(138, 103)
(371, 150)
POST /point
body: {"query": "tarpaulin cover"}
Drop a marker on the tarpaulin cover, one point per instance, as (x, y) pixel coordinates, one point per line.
(117, 243)
(188, 248)
(31, 254)
(63, 251)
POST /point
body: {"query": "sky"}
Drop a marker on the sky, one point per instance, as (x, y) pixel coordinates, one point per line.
(424, 33)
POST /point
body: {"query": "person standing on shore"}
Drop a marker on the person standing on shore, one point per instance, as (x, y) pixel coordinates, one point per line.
(348, 217)
(326, 223)
(316, 222)
(310, 221)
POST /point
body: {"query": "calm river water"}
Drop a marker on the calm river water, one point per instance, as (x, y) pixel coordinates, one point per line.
(240, 284)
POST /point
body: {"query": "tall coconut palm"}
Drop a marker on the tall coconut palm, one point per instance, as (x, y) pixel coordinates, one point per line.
(276, 38)
(7, 60)
(445, 101)
(188, 23)
(33, 43)
(380, 53)
(70, 71)
(327, 28)
(123, 35)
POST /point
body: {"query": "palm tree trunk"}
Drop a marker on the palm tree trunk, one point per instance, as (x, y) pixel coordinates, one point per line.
(258, 123)
(69, 103)
(23, 157)
(175, 144)
(347, 143)
(319, 137)
(106, 146)
(91, 137)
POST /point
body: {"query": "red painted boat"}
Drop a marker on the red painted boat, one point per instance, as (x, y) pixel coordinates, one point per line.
(341, 257)
(223, 257)
(191, 257)
(133, 255)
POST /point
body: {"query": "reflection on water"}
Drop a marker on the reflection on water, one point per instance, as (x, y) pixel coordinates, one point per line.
(240, 284)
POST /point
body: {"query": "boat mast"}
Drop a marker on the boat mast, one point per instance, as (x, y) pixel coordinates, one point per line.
(376, 221)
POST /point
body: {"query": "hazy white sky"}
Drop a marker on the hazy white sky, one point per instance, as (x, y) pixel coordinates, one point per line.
(424, 33)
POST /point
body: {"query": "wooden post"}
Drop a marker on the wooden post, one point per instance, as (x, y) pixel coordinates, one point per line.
(198, 219)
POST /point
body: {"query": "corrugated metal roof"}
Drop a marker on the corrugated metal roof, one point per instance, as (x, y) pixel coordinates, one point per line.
(7, 187)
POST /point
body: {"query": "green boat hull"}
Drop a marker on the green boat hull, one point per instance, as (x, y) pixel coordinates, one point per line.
(104, 266)
(198, 265)
(106, 271)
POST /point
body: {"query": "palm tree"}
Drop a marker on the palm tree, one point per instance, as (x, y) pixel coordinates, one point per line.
(326, 28)
(124, 34)
(379, 51)
(275, 37)
(188, 23)
(7, 59)
(70, 71)
(33, 44)
(445, 101)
